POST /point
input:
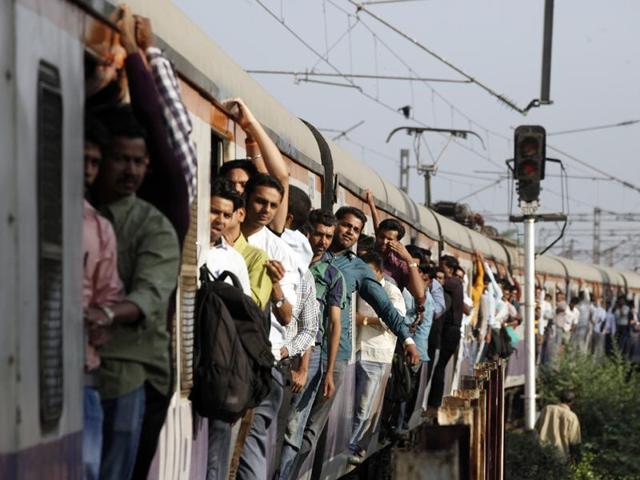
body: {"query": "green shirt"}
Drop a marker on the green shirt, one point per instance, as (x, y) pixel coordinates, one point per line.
(148, 264)
(256, 260)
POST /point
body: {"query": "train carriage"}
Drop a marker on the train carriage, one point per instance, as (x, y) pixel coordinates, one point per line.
(44, 43)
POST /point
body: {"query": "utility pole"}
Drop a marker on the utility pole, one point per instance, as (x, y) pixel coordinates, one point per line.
(404, 170)
(596, 235)
(529, 312)
(547, 38)
(427, 172)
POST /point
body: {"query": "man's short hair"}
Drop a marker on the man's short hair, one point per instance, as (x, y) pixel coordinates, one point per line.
(372, 258)
(435, 271)
(365, 243)
(449, 261)
(322, 217)
(567, 396)
(391, 224)
(96, 133)
(221, 187)
(299, 207)
(416, 252)
(574, 301)
(120, 121)
(243, 164)
(356, 212)
(262, 180)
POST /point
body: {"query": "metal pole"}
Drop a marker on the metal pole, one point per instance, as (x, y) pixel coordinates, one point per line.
(404, 170)
(427, 187)
(545, 86)
(596, 235)
(529, 335)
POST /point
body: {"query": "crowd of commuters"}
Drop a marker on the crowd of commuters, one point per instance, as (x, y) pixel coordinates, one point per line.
(300, 266)
(590, 322)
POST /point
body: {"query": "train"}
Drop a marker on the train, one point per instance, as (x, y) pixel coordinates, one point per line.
(43, 47)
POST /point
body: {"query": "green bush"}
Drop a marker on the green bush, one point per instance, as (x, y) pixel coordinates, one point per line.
(526, 459)
(608, 406)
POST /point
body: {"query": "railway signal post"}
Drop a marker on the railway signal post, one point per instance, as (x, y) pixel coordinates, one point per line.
(528, 170)
(529, 163)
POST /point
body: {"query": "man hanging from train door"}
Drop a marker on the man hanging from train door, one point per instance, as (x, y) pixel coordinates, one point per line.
(398, 263)
(358, 277)
(318, 363)
(101, 287)
(264, 195)
(148, 261)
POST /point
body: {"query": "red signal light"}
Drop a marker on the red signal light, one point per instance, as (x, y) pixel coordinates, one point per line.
(529, 168)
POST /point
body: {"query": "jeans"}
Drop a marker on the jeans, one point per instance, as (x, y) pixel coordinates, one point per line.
(317, 420)
(121, 434)
(92, 434)
(253, 460)
(156, 405)
(301, 404)
(219, 450)
(368, 381)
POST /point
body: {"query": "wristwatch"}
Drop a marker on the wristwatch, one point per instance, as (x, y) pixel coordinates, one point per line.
(278, 303)
(109, 313)
(413, 265)
(365, 321)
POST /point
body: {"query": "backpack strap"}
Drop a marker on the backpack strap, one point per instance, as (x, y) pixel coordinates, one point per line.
(227, 274)
(205, 274)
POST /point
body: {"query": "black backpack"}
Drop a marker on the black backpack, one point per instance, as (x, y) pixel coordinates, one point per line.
(232, 353)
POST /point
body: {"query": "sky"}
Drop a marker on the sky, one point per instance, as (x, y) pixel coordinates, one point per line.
(595, 80)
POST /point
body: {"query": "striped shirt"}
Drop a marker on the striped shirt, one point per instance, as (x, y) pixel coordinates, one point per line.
(301, 331)
(176, 117)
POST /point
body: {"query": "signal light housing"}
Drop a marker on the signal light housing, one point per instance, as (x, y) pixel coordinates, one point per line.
(529, 160)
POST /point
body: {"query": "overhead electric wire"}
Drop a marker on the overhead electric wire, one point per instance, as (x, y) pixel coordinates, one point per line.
(491, 91)
(311, 73)
(624, 183)
(598, 127)
(348, 80)
(379, 2)
(486, 187)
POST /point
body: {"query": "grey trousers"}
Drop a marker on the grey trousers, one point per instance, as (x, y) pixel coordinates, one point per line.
(253, 460)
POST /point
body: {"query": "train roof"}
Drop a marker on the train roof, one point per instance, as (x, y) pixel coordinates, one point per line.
(550, 265)
(589, 273)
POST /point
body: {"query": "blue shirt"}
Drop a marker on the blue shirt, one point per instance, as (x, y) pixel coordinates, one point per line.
(437, 292)
(359, 277)
(421, 336)
(330, 291)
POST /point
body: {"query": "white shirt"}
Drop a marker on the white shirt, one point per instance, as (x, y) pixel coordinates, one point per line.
(377, 343)
(223, 257)
(567, 319)
(300, 246)
(277, 249)
(546, 316)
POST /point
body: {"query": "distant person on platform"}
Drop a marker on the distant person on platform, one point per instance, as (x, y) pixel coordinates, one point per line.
(559, 426)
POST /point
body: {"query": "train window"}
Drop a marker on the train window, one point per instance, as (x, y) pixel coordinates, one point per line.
(49, 216)
(216, 153)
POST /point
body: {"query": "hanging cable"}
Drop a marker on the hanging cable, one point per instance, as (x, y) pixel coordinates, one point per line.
(534, 103)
